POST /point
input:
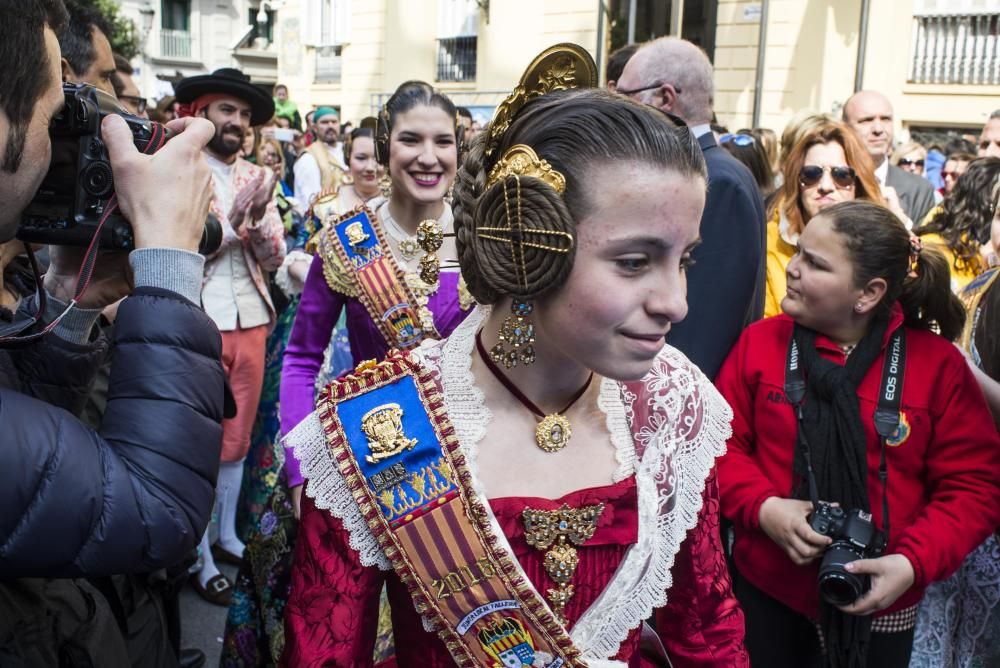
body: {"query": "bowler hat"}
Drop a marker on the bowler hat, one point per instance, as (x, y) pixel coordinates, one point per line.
(230, 81)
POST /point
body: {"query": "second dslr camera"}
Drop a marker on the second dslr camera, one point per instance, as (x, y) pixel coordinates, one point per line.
(855, 537)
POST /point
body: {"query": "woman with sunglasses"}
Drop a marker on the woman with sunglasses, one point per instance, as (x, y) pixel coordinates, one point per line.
(849, 398)
(910, 157)
(826, 165)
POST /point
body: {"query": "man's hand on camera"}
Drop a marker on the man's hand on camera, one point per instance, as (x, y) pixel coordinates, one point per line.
(110, 281)
(165, 195)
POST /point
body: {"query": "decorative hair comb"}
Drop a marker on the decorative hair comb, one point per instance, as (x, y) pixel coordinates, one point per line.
(561, 67)
(521, 160)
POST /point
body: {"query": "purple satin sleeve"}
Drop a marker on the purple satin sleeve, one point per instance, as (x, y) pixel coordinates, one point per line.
(317, 314)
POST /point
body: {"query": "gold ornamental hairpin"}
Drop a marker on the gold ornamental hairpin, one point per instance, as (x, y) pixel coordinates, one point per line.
(521, 160)
(561, 67)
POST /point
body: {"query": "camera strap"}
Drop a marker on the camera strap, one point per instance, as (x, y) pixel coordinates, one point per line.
(886, 417)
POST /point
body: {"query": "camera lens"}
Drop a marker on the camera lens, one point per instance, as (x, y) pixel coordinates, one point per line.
(836, 585)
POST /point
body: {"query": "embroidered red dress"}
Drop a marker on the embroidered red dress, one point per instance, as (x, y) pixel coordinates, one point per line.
(674, 556)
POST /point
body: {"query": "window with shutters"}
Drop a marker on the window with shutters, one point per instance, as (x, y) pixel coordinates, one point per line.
(458, 29)
(328, 28)
(955, 42)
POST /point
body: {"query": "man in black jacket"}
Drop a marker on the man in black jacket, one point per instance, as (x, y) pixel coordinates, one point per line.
(726, 283)
(136, 495)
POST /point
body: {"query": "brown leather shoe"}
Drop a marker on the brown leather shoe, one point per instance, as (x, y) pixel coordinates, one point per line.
(218, 590)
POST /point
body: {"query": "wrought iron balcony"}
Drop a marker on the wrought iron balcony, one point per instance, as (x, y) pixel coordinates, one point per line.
(456, 59)
(175, 44)
(956, 49)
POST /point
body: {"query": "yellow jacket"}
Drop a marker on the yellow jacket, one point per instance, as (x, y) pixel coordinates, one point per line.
(959, 277)
(779, 252)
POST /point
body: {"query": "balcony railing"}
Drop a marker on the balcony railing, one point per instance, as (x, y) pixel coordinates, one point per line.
(175, 44)
(456, 59)
(956, 49)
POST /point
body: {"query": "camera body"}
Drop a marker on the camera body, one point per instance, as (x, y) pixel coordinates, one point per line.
(74, 194)
(855, 537)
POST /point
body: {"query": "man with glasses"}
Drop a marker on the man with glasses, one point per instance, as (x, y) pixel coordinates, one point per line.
(125, 89)
(726, 283)
(869, 113)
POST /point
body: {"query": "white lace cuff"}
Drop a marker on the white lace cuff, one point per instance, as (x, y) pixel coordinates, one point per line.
(326, 486)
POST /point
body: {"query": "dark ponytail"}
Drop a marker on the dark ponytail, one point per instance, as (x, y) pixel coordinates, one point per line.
(880, 246)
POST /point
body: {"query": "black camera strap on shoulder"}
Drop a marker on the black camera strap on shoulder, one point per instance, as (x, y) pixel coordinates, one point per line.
(886, 417)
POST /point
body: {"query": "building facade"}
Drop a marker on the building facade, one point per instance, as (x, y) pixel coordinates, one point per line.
(938, 61)
(181, 38)
(351, 54)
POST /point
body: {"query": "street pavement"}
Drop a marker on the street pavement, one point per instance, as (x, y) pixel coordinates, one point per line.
(202, 623)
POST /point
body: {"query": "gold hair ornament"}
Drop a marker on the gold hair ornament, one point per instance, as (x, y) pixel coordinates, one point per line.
(560, 67)
(521, 160)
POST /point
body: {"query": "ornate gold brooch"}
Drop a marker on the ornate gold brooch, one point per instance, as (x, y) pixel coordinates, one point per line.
(558, 531)
(383, 425)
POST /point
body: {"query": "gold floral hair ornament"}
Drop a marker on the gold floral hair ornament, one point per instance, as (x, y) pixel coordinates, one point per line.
(560, 67)
(521, 160)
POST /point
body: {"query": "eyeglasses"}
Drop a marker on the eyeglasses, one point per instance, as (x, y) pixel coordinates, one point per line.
(949, 175)
(843, 176)
(738, 139)
(905, 162)
(633, 91)
(138, 102)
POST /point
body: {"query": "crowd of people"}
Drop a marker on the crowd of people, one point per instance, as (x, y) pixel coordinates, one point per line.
(601, 383)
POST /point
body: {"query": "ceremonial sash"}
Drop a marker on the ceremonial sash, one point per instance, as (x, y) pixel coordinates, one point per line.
(392, 442)
(361, 249)
(971, 295)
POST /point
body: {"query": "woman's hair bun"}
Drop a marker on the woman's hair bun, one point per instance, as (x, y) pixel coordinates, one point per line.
(523, 244)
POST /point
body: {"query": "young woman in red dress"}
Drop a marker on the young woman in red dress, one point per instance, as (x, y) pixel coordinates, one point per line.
(583, 447)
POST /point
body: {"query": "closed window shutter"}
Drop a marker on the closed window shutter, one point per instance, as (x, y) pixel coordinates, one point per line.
(312, 23)
(457, 18)
(341, 16)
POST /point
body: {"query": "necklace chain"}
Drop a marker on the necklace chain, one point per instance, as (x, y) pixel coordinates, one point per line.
(553, 432)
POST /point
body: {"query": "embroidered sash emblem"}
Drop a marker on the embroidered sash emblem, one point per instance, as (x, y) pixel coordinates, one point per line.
(383, 426)
(392, 442)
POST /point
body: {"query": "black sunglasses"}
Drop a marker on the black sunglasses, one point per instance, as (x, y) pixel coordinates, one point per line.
(633, 91)
(139, 102)
(906, 162)
(842, 176)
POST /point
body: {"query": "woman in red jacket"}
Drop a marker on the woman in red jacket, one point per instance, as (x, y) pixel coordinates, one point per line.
(804, 387)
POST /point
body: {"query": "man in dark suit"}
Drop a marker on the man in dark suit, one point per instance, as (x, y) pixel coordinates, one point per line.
(726, 283)
(869, 113)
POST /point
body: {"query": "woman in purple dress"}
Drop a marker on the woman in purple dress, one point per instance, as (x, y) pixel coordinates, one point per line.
(416, 141)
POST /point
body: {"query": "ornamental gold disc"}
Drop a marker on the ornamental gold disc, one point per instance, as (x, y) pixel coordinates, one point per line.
(553, 432)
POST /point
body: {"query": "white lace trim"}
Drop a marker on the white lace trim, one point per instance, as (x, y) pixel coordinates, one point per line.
(290, 286)
(687, 430)
(329, 490)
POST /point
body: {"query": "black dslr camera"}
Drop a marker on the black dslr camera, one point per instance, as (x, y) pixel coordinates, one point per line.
(74, 195)
(855, 537)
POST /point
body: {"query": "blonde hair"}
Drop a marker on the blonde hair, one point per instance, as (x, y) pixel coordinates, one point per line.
(906, 149)
(276, 145)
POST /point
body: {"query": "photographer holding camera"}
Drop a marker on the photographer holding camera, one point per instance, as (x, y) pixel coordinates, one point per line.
(864, 462)
(136, 495)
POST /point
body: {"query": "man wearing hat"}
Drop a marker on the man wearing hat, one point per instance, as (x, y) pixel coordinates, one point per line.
(234, 291)
(322, 166)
